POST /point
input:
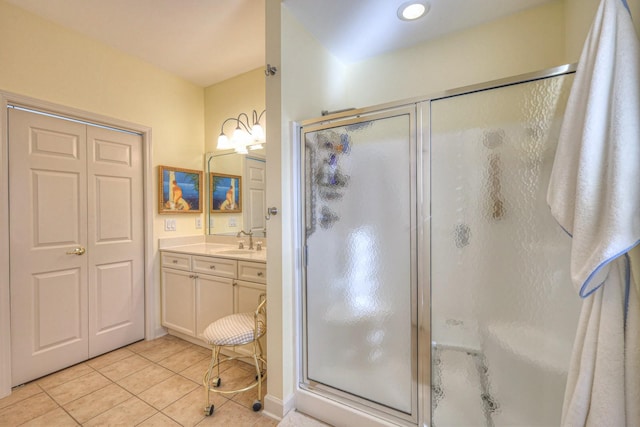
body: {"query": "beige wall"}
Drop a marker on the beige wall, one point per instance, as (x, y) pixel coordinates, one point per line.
(578, 17)
(240, 94)
(45, 61)
(42, 60)
(524, 42)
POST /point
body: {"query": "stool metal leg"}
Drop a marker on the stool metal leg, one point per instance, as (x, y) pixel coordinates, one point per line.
(215, 354)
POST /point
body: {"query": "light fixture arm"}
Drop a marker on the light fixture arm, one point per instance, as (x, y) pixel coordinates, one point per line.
(256, 117)
(252, 130)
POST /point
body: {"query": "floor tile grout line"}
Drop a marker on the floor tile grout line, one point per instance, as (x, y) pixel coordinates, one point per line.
(101, 388)
(149, 352)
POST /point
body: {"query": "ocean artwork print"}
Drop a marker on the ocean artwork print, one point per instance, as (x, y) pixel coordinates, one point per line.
(226, 193)
(180, 190)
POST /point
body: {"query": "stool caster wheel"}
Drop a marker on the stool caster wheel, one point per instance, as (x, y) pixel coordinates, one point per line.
(217, 382)
(208, 411)
(257, 405)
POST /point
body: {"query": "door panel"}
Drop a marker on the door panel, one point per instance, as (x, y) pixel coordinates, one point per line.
(114, 296)
(179, 288)
(55, 296)
(48, 219)
(115, 247)
(113, 209)
(255, 195)
(59, 191)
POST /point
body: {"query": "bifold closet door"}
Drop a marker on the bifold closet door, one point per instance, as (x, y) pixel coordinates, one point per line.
(76, 242)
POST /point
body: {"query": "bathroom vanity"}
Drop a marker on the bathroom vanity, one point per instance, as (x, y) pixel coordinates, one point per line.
(204, 282)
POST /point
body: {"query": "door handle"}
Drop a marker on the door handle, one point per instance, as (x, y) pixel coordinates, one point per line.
(77, 251)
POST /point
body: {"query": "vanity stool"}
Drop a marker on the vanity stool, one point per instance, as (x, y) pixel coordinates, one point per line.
(229, 332)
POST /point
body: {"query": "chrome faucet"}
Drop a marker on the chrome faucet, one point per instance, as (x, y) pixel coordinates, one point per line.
(250, 234)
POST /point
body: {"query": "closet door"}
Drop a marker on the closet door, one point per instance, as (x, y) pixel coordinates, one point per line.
(48, 220)
(115, 238)
(76, 242)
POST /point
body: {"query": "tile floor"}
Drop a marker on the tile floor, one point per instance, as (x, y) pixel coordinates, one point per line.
(148, 383)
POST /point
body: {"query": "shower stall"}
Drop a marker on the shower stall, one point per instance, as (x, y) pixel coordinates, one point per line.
(435, 284)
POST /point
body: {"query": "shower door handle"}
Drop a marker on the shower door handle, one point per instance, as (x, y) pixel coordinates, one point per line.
(271, 211)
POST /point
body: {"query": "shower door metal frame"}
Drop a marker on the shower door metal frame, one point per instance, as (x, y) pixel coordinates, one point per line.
(421, 162)
(418, 337)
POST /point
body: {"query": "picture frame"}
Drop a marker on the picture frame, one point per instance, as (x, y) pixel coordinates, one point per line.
(179, 190)
(225, 193)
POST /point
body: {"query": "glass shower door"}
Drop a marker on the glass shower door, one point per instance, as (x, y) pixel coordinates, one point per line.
(360, 284)
(503, 310)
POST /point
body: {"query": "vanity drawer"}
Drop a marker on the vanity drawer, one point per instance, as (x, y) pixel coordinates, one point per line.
(216, 266)
(252, 271)
(176, 260)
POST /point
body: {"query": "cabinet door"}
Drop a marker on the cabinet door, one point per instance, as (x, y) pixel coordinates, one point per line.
(247, 296)
(214, 300)
(178, 301)
(247, 300)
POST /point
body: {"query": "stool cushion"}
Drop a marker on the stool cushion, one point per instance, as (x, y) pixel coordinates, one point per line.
(235, 329)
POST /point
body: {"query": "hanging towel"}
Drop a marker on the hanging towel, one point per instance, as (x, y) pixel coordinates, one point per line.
(594, 195)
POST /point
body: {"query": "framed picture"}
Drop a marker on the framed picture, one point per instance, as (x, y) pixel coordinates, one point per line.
(179, 190)
(225, 193)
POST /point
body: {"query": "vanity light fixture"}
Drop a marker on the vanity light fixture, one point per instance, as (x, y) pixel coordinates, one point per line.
(412, 10)
(246, 135)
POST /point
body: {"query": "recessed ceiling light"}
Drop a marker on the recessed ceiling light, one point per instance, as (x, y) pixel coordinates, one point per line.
(412, 10)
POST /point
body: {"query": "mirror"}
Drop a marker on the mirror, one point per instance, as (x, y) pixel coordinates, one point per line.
(236, 193)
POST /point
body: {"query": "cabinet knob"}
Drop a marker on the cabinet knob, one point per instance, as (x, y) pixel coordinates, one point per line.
(175, 261)
(260, 274)
(213, 267)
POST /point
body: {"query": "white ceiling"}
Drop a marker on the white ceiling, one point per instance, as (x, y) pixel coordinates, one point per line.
(207, 41)
(358, 29)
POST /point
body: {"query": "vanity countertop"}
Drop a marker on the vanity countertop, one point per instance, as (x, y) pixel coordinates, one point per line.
(220, 250)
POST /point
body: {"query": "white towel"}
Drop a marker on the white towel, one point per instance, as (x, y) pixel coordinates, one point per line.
(593, 194)
(603, 388)
(593, 191)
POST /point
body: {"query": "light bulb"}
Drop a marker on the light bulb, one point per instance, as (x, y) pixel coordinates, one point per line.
(238, 136)
(223, 142)
(257, 132)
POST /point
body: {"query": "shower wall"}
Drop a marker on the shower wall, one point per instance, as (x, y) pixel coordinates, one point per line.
(504, 312)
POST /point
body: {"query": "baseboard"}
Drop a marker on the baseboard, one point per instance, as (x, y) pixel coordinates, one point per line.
(160, 332)
(276, 408)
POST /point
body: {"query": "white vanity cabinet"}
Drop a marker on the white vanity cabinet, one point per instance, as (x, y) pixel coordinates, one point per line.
(196, 290)
(251, 283)
(199, 289)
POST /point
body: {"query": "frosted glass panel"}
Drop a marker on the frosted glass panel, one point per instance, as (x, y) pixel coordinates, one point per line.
(504, 312)
(359, 277)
